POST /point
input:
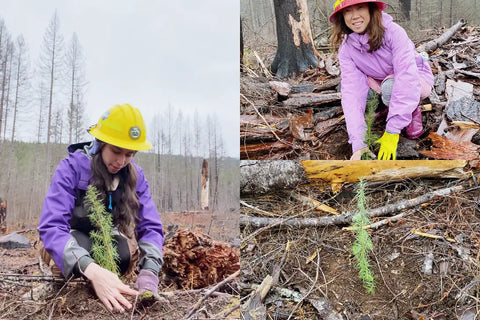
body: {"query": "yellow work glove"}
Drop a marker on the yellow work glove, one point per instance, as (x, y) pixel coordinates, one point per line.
(388, 146)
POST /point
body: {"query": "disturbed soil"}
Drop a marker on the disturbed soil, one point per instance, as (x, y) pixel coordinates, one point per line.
(23, 298)
(320, 266)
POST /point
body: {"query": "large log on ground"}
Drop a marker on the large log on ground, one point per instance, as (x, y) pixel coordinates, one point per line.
(311, 99)
(261, 177)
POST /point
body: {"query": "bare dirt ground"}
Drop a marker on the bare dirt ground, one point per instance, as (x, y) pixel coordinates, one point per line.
(76, 300)
(320, 266)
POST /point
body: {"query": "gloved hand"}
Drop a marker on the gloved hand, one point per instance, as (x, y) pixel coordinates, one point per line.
(388, 146)
(147, 281)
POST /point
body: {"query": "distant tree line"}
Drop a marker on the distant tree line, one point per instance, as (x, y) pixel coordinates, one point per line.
(52, 89)
(174, 180)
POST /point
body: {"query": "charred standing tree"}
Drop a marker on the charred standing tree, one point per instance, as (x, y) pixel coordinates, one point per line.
(295, 51)
(406, 7)
(204, 187)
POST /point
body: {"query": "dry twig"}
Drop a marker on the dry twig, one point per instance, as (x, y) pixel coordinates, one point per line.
(214, 288)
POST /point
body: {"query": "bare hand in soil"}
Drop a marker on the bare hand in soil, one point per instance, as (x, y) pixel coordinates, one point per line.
(109, 288)
(357, 155)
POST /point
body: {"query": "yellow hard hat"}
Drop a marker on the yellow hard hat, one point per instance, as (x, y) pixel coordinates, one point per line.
(122, 126)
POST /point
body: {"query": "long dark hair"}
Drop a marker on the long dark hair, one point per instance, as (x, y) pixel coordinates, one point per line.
(125, 213)
(375, 29)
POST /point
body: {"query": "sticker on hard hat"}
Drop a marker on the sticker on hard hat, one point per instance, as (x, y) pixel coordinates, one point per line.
(106, 114)
(135, 133)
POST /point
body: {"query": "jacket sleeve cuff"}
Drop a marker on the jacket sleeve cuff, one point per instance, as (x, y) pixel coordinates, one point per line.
(390, 129)
(83, 263)
(152, 265)
(357, 145)
(150, 257)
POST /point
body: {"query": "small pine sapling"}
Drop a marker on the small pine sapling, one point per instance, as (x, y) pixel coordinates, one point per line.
(370, 114)
(363, 243)
(104, 249)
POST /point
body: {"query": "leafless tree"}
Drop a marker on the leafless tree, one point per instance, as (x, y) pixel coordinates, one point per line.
(4, 54)
(21, 80)
(57, 126)
(51, 65)
(42, 102)
(75, 69)
(6, 83)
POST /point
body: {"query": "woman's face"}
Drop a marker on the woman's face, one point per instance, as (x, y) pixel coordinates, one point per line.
(115, 158)
(357, 17)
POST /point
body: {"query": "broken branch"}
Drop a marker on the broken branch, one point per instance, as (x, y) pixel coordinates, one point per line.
(435, 43)
(214, 288)
(346, 218)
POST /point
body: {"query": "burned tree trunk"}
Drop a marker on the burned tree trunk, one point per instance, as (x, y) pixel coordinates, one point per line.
(3, 216)
(204, 195)
(405, 7)
(295, 52)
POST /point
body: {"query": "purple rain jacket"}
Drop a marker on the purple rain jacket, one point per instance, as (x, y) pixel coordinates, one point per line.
(73, 173)
(396, 56)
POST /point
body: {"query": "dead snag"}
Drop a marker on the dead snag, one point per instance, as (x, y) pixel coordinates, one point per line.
(296, 51)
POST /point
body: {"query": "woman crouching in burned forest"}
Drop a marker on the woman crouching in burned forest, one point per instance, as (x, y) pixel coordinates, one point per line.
(376, 54)
(65, 225)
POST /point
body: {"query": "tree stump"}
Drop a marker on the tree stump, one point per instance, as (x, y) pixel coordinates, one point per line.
(296, 52)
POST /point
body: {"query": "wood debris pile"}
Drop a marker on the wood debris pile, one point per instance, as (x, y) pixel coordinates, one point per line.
(193, 260)
(297, 259)
(303, 118)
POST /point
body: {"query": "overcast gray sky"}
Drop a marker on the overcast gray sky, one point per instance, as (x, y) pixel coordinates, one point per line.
(148, 53)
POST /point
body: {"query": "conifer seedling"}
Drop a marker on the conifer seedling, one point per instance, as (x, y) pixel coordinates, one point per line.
(363, 243)
(104, 249)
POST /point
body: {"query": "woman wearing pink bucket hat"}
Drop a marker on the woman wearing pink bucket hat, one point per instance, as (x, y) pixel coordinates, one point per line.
(376, 53)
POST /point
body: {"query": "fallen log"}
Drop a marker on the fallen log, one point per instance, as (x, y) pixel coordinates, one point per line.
(435, 43)
(270, 150)
(261, 177)
(327, 84)
(311, 99)
(345, 218)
